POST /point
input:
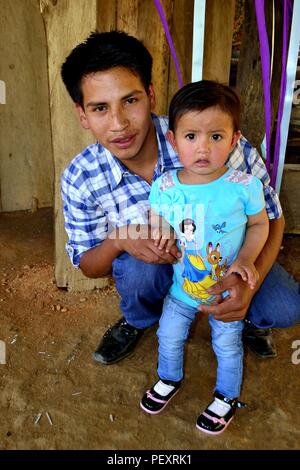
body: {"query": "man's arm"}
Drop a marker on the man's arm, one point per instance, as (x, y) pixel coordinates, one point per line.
(271, 249)
(135, 240)
(97, 262)
(235, 307)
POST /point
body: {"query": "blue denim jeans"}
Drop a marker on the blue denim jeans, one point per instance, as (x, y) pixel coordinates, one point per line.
(227, 344)
(143, 286)
(277, 303)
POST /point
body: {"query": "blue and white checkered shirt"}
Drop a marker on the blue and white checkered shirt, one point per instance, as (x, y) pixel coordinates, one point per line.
(99, 193)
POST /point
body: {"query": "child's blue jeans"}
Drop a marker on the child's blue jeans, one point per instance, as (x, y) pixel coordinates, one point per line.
(143, 287)
(227, 344)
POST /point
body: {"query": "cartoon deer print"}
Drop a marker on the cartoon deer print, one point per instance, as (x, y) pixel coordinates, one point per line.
(214, 257)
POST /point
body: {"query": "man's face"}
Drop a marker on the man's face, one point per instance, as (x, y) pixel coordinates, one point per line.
(116, 108)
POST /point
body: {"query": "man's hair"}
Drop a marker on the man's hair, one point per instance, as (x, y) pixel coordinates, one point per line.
(199, 96)
(104, 51)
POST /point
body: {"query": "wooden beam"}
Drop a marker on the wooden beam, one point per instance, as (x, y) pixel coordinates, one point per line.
(249, 75)
(151, 32)
(26, 161)
(218, 39)
(65, 31)
(182, 34)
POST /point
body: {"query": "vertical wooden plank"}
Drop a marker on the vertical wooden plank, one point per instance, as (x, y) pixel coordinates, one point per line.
(106, 15)
(249, 79)
(218, 39)
(182, 35)
(26, 162)
(64, 31)
(249, 76)
(152, 34)
(128, 14)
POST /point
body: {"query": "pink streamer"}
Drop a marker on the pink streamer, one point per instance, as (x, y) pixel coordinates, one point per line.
(163, 19)
(265, 61)
(285, 42)
(265, 65)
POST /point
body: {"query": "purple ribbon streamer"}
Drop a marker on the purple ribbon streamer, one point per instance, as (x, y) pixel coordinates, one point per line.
(163, 19)
(285, 41)
(265, 64)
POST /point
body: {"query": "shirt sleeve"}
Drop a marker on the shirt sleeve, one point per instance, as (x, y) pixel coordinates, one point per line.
(254, 164)
(256, 200)
(165, 197)
(85, 220)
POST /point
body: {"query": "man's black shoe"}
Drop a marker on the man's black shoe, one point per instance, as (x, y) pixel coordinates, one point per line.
(259, 340)
(117, 343)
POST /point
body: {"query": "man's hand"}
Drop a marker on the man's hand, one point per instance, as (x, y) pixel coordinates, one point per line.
(136, 240)
(234, 307)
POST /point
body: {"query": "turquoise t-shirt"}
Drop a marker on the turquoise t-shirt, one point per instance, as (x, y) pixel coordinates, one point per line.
(210, 222)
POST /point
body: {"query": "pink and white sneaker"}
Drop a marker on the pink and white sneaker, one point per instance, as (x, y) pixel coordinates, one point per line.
(157, 398)
(211, 422)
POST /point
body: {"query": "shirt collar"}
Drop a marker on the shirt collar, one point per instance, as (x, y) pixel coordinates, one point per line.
(117, 170)
(164, 161)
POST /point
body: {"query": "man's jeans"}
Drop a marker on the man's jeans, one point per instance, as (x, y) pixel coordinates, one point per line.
(227, 344)
(143, 287)
(277, 303)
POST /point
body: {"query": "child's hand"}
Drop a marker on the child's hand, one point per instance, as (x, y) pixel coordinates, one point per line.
(164, 238)
(246, 270)
(162, 232)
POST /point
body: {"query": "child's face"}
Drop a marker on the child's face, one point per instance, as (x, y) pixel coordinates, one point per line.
(203, 141)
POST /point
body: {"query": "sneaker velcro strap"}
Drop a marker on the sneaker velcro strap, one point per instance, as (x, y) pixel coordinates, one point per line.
(233, 402)
(151, 394)
(214, 418)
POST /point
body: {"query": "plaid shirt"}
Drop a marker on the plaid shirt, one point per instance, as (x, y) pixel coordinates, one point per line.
(99, 193)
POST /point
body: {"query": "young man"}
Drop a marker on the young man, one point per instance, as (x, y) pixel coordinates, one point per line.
(105, 193)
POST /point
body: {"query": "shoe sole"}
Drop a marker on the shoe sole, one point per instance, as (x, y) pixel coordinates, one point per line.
(101, 361)
(214, 433)
(159, 411)
(260, 355)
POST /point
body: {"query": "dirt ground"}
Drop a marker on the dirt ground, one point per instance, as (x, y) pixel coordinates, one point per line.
(50, 335)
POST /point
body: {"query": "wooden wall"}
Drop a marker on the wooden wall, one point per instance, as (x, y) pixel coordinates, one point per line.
(26, 161)
(219, 19)
(249, 75)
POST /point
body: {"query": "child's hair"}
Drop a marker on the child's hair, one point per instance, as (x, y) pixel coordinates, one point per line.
(199, 96)
(103, 51)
